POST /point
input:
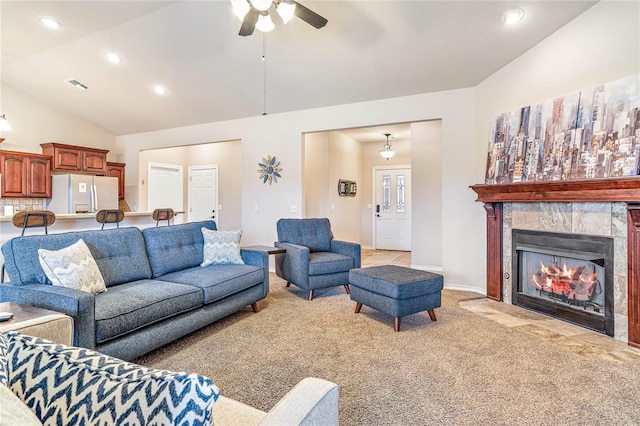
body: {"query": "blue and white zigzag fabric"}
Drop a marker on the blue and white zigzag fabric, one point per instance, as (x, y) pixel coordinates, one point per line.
(65, 385)
(4, 345)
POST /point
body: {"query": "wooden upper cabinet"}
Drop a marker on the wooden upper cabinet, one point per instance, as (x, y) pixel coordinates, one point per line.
(73, 158)
(117, 170)
(25, 175)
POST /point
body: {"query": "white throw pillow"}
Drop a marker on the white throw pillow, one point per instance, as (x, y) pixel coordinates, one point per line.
(72, 267)
(221, 247)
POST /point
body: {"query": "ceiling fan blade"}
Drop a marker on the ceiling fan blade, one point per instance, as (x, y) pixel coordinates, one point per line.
(309, 16)
(249, 22)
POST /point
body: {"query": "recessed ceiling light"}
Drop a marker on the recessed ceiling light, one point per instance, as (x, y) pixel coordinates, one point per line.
(160, 90)
(513, 16)
(50, 23)
(114, 58)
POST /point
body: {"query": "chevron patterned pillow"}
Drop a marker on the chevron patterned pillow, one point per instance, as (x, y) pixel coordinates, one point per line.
(68, 385)
(221, 247)
(72, 267)
(4, 361)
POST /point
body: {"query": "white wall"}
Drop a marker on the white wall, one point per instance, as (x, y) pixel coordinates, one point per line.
(345, 156)
(426, 178)
(316, 175)
(34, 122)
(282, 135)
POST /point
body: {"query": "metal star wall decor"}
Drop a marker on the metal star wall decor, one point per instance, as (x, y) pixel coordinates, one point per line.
(269, 169)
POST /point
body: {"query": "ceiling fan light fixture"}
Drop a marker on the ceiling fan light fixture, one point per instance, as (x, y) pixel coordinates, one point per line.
(286, 9)
(4, 124)
(265, 24)
(387, 152)
(240, 8)
(261, 5)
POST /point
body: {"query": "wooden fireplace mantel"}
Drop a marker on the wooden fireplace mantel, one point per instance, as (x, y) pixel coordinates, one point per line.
(592, 190)
(624, 189)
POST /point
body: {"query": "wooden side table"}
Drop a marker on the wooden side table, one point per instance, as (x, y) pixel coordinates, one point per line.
(38, 322)
(268, 249)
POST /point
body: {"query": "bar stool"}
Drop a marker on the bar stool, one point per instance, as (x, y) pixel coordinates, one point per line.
(31, 219)
(163, 214)
(110, 216)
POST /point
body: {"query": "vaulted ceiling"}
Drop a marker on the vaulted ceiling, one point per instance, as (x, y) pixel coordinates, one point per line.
(368, 50)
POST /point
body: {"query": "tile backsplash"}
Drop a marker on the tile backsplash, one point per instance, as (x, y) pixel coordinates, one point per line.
(20, 204)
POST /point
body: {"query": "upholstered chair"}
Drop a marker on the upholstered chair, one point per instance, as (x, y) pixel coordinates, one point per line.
(314, 260)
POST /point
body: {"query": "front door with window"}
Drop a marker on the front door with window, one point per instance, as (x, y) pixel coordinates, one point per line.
(392, 208)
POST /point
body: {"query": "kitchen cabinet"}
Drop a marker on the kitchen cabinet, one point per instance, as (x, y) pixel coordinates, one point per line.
(117, 170)
(25, 175)
(71, 158)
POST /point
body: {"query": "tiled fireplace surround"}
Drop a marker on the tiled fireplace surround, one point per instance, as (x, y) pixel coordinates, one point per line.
(602, 219)
(604, 207)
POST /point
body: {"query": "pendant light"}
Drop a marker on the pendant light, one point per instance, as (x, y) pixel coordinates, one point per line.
(387, 152)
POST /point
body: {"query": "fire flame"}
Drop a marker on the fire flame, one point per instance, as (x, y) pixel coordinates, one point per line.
(576, 283)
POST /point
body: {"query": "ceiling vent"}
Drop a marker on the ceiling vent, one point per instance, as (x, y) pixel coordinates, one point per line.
(76, 84)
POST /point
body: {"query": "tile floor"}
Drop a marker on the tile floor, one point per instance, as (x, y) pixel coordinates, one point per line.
(560, 333)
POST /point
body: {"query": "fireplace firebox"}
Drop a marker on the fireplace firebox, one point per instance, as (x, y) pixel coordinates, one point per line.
(568, 276)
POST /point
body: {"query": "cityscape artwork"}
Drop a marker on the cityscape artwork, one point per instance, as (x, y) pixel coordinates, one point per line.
(588, 135)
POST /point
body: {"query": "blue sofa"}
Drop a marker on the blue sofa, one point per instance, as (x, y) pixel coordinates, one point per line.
(156, 289)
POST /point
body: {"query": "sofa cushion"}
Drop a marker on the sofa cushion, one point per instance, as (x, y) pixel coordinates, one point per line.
(219, 281)
(72, 267)
(119, 252)
(313, 233)
(321, 263)
(176, 247)
(66, 385)
(221, 247)
(131, 306)
(14, 412)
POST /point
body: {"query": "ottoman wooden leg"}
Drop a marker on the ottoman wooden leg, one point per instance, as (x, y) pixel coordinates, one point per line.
(432, 315)
(288, 284)
(310, 294)
(396, 324)
(255, 307)
(358, 307)
(346, 287)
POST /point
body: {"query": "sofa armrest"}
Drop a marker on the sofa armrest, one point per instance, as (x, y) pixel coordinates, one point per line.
(347, 249)
(79, 305)
(293, 265)
(258, 258)
(311, 402)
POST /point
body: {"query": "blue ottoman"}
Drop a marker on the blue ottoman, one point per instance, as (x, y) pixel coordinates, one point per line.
(396, 291)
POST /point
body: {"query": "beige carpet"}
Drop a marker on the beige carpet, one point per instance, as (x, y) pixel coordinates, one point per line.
(462, 369)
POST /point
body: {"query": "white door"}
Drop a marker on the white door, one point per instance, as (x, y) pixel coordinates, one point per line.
(203, 193)
(392, 208)
(165, 187)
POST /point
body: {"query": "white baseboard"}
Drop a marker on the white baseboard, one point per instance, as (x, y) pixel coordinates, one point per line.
(430, 268)
(465, 288)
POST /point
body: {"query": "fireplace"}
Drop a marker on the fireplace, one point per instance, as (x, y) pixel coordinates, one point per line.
(568, 276)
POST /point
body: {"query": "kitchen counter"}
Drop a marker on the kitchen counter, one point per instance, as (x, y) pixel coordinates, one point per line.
(75, 216)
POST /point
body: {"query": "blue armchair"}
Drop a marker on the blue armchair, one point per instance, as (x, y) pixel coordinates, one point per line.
(314, 259)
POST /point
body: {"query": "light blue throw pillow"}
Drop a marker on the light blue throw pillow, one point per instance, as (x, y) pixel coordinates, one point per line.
(221, 247)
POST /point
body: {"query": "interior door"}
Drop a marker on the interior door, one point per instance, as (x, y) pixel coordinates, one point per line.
(392, 208)
(203, 193)
(165, 187)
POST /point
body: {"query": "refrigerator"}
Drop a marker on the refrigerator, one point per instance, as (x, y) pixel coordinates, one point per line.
(77, 193)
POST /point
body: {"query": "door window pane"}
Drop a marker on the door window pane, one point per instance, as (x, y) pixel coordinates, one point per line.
(400, 194)
(386, 193)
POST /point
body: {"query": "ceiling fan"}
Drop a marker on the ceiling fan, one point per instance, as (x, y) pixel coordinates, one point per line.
(254, 14)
